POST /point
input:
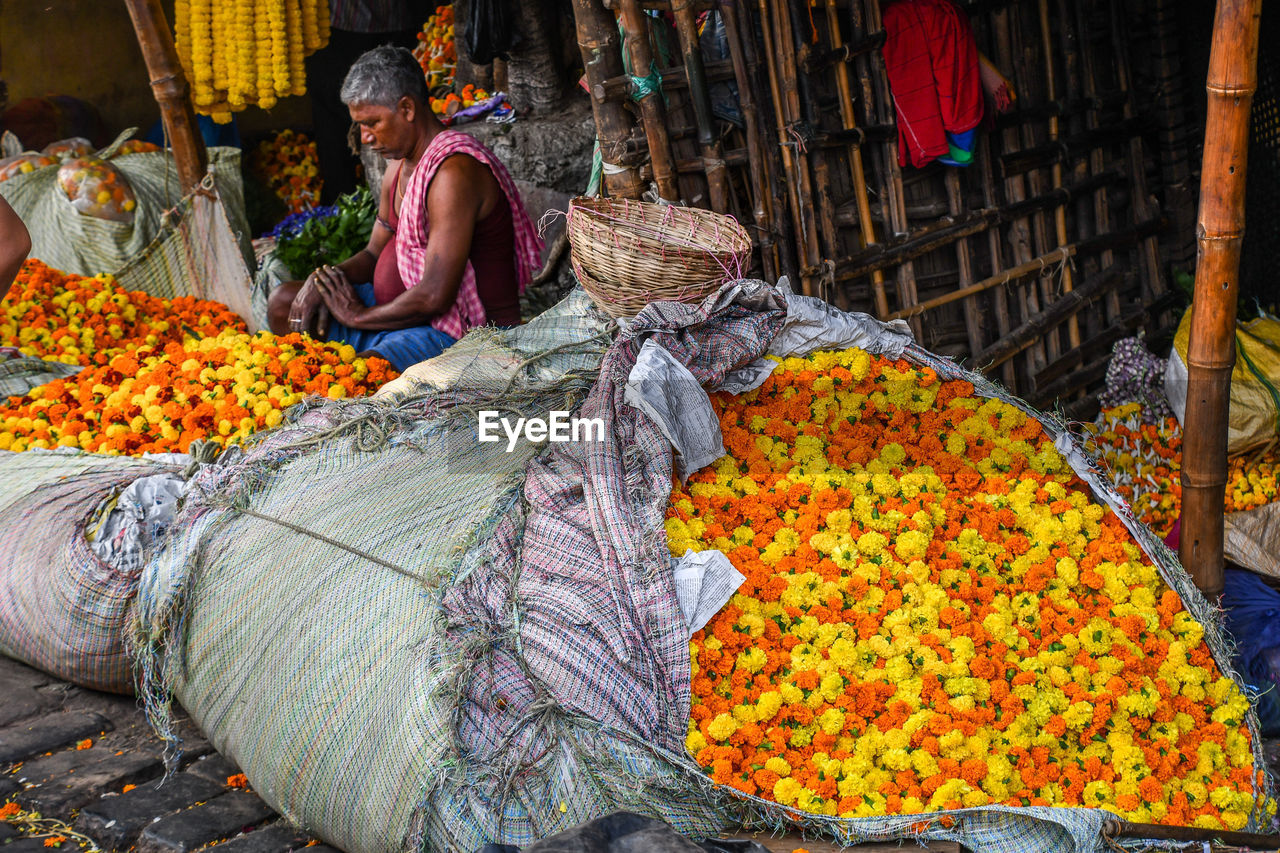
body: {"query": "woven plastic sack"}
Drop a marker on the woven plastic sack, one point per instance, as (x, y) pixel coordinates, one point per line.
(62, 609)
(493, 638)
(71, 241)
(22, 164)
(1251, 538)
(1254, 414)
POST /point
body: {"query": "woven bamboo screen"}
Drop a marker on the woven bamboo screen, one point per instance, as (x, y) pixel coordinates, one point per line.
(1028, 264)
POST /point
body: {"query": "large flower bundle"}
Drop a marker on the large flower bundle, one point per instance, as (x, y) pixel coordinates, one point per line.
(161, 373)
(936, 615)
(1146, 462)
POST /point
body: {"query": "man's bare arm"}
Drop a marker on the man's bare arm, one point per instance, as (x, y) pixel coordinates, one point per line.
(453, 205)
(15, 244)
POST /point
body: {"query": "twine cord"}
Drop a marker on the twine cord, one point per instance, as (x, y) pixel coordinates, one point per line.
(650, 84)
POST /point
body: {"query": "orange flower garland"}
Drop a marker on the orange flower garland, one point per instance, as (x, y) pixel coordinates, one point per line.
(935, 615)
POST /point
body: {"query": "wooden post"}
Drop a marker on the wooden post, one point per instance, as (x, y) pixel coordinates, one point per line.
(1233, 78)
(1059, 213)
(171, 90)
(653, 114)
(601, 58)
(792, 167)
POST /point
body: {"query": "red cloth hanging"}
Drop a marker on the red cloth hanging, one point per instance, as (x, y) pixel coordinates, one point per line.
(932, 63)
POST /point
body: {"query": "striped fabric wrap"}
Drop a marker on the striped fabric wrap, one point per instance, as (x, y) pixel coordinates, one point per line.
(62, 609)
(412, 236)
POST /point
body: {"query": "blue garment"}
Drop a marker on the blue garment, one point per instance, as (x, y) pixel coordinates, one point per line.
(402, 347)
(961, 148)
(214, 134)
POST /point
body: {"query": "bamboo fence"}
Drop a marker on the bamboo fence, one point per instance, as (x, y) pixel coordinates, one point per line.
(1028, 264)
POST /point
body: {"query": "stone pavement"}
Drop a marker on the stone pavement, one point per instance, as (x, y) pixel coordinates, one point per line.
(70, 754)
(90, 762)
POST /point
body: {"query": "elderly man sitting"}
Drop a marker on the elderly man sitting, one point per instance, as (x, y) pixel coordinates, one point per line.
(452, 248)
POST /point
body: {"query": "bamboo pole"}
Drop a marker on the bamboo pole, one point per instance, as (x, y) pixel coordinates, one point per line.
(1052, 316)
(807, 238)
(695, 71)
(1021, 271)
(762, 209)
(1142, 208)
(973, 319)
(169, 85)
(807, 109)
(619, 88)
(601, 59)
(1101, 206)
(995, 249)
(868, 15)
(761, 77)
(1059, 213)
(1026, 80)
(788, 79)
(1233, 78)
(652, 113)
(1116, 828)
(1016, 190)
(858, 173)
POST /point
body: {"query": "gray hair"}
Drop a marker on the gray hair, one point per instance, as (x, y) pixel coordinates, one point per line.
(382, 76)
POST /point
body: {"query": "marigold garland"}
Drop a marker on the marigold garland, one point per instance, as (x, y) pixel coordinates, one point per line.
(241, 52)
(936, 615)
(288, 164)
(1146, 462)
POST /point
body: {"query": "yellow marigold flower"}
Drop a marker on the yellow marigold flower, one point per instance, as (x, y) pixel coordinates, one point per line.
(752, 660)
(722, 727)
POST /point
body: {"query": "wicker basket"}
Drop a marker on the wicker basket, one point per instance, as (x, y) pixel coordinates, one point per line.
(628, 253)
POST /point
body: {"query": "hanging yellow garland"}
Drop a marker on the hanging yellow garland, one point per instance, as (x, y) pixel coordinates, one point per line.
(241, 52)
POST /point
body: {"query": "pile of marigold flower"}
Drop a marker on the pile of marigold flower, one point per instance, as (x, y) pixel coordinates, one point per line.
(288, 164)
(80, 320)
(1145, 461)
(451, 103)
(157, 385)
(935, 615)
